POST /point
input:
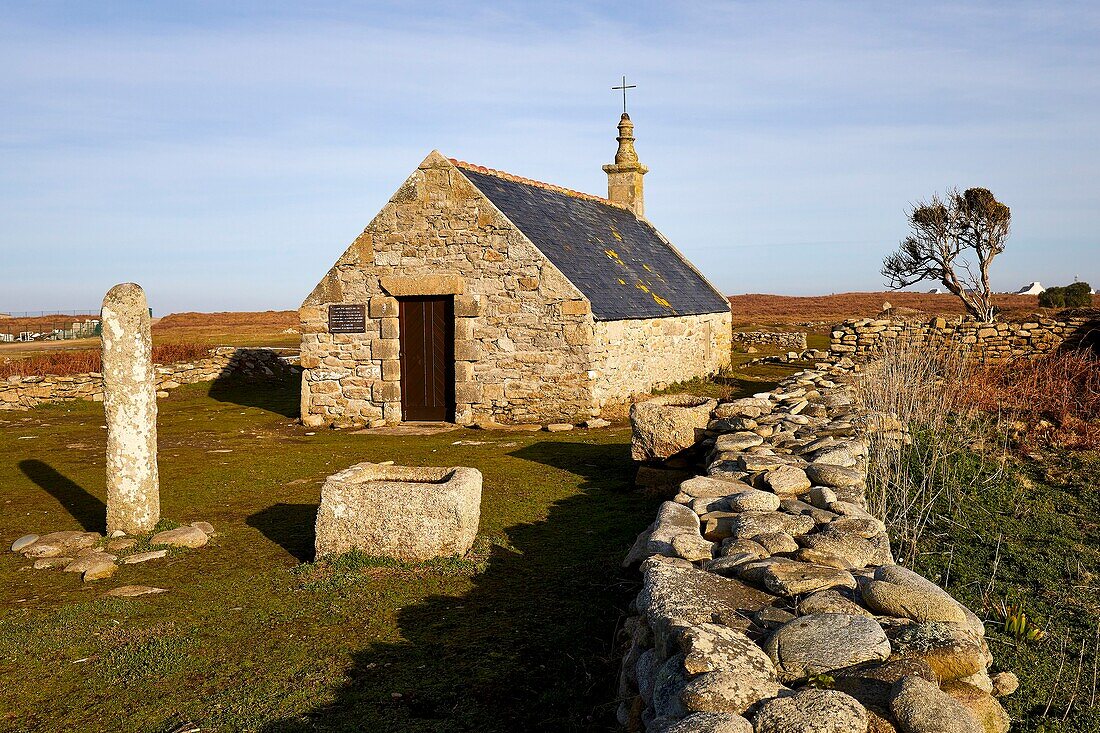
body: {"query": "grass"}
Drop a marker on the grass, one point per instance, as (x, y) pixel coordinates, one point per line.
(1027, 532)
(253, 635)
(1001, 525)
(777, 309)
(266, 328)
(740, 379)
(1060, 392)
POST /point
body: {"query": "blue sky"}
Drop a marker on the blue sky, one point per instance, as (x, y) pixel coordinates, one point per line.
(224, 154)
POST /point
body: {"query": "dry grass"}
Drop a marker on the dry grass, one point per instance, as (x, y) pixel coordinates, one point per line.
(1057, 396)
(915, 476)
(758, 308)
(66, 363)
(41, 324)
(266, 319)
(956, 410)
(266, 328)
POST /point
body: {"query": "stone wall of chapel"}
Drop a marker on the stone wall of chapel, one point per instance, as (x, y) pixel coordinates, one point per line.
(523, 332)
(637, 356)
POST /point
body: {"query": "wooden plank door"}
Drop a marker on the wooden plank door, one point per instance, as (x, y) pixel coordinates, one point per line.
(427, 358)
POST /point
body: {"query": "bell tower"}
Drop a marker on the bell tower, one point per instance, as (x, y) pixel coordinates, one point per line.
(624, 176)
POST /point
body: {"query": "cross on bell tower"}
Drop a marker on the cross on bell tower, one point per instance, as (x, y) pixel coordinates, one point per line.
(624, 87)
(624, 176)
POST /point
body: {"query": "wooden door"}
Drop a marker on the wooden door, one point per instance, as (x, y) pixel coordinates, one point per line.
(427, 358)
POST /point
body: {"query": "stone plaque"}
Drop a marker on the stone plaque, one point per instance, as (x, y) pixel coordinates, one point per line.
(347, 318)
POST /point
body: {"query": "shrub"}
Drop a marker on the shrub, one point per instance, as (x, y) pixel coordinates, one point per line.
(1062, 389)
(1076, 295)
(910, 481)
(65, 363)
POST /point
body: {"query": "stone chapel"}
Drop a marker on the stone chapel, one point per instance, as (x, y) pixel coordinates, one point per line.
(478, 296)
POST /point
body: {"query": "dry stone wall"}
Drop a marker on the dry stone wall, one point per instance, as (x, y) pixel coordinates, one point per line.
(25, 392)
(990, 341)
(635, 357)
(771, 601)
(781, 339)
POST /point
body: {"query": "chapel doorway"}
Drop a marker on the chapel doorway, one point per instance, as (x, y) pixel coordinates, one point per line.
(427, 358)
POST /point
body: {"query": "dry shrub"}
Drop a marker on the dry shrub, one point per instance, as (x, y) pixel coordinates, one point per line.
(955, 413)
(928, 445)
(58, 363)
(66, 363)
(1062, 389)
(175, 353)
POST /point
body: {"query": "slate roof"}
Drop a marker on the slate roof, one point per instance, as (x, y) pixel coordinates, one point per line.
(620, 262)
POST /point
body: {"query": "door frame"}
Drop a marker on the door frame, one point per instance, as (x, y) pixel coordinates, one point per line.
(447, 358)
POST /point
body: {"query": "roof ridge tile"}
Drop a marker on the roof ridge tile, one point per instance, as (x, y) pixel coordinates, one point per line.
(537, 184)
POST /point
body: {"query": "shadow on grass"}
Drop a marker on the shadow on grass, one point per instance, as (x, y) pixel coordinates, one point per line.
(741, 387)
(291, 526)
(531, 646)
(87, 509)
(279, 393)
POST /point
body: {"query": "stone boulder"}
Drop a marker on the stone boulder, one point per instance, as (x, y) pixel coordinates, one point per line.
(905, 577)
(180, 537)
(921, 707)
(705, 723)
(787, 480)
(675, 596)
(665, 426)
(836, 477)
(133, 591)
(952, 650)
(403, 512)
(913, 603)
(811, 711)
(56, 544)
(791, 578)
(824, 642)
(675, 533)
(982, 705)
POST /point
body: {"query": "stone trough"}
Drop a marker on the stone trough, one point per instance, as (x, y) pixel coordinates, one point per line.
(667, 426)
(403, 512)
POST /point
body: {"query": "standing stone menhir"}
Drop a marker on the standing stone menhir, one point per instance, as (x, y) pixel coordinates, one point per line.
(130, 403)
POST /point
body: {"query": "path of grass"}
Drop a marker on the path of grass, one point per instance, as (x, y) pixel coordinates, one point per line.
(243, 641)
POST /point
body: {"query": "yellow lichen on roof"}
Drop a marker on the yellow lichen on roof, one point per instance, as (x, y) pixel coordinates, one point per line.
(621, 281)
(660, 301)
(641, 286)
(615, 233)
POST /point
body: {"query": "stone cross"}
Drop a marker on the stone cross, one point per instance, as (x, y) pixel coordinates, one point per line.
(130, 403)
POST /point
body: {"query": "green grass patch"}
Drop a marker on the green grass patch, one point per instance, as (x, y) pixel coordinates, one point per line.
(254, 635)
(1025, 532)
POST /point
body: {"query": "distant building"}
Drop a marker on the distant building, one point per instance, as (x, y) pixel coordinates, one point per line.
(1031, 289)
(478, 296)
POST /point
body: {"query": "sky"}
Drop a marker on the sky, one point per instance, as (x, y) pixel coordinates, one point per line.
(223, 155)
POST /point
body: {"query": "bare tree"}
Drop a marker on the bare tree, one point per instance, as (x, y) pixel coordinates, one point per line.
(953, 240)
